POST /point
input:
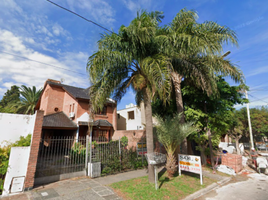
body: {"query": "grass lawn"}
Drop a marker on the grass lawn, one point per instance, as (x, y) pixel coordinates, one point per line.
(177, 188)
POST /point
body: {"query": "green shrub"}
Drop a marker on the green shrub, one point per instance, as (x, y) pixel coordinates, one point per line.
(5, 153)
(78, 153)
(124, 141)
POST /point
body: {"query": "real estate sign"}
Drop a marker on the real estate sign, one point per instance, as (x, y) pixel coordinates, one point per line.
(141, 148)
(190, 164)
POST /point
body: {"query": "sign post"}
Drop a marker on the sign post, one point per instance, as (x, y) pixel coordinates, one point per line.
(155, 159)
(141, 148)
(190, 164)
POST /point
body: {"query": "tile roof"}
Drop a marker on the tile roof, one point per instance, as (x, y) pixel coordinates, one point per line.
(102, 122)
(99, 123)
(76, 92)
(58, 120)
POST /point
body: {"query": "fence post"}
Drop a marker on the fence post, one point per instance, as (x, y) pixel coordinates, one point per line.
(90, 153)
(119, 147)
(120, 153)
(87, 139)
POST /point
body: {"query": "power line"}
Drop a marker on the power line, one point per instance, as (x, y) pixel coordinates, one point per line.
(260, 84)
(258, 98)
(42, 62)
(81, 17)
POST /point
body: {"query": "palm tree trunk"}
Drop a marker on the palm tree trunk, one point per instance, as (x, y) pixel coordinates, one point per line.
(149, 133)
(176, 79)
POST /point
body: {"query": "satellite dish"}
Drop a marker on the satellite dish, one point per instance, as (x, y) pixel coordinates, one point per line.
(62, 80)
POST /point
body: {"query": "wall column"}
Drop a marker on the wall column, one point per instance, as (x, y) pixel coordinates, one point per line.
(37, 134)
(77, 133)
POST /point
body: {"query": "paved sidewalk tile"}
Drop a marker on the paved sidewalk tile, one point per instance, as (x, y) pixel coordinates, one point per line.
(78, 188)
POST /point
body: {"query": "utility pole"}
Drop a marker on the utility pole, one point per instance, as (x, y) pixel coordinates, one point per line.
(249, 122)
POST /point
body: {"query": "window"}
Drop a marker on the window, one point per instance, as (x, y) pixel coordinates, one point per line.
(118, 116)
(102, 135)
(131, 115)
(103, 111)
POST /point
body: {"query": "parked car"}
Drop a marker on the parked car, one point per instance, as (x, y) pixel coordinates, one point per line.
(262, 146)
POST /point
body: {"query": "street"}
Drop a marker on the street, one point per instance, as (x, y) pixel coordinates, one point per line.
(250, 187)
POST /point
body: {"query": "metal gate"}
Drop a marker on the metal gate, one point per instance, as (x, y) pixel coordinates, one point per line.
(67, 157)
(61, 158)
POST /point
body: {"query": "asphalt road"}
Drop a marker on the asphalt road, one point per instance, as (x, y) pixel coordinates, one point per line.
(252, 187)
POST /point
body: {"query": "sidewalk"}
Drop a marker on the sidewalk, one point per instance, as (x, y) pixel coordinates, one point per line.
(96, 189)
(78, 188)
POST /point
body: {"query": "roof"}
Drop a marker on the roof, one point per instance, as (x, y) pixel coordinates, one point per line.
(76, 92)
(58, 120)
(102, 122)
(99, 123)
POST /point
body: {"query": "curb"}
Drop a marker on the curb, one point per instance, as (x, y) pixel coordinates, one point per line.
(207, 189)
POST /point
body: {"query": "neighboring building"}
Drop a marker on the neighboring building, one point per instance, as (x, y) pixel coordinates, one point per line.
(131, 118)
(66, 112)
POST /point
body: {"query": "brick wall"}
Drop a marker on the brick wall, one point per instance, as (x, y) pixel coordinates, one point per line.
(29, 180)
(133, 136)
(232, 160)
(52, 98)
(69, 103)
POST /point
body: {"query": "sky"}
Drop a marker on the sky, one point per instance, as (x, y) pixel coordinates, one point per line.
(62, 42)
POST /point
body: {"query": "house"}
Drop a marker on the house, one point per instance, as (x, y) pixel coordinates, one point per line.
(66, 112)
(131, 118)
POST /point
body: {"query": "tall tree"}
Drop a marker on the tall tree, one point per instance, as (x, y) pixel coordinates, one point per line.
(195, 49)
(131, 59)
(10, 97)
(259, 122)
(28, 99)
(235, 130)
(213, 112)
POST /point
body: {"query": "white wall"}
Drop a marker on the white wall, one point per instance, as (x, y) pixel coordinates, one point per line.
(123, 123)
(17, 167)
(12, 126)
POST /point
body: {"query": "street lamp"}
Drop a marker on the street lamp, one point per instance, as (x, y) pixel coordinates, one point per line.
(248, 113)
(226, 54)
(249, 122)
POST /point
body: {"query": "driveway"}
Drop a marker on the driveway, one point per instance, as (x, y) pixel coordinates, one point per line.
(254, 186)
(78, 188)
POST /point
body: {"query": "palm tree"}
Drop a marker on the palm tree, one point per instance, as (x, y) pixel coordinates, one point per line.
(28, 99)
(171, 134)
(195, 52)
(131, 59)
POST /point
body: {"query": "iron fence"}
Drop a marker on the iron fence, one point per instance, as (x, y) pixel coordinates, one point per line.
(115, 156)
(62, 155)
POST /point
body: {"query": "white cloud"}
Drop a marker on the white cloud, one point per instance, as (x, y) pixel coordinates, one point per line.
(260, 70)
(149, 5)
(11, 5)
(10, 43)
(14, 70)
(100, 10)
(30, 21)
